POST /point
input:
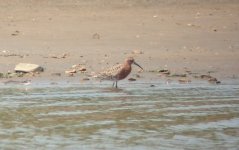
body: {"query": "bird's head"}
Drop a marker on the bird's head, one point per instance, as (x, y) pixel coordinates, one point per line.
(130, 60)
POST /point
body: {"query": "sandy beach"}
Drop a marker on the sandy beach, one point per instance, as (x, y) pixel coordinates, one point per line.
(187, 97)
(200, 36)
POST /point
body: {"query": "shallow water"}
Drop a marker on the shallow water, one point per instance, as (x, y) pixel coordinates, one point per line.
(137, 116)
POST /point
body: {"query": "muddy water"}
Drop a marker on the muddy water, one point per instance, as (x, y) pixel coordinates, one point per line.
(137, 116)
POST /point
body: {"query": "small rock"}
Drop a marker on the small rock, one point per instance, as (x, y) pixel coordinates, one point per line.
(82, 69)
(152, 85)
(53, 83)
(25, 82)
(132, 79)
(212, 79)
(196, 76)
(70, 71)
(96, 36)
(137, 76)
(164, 71)
(207, 77)
(70, 74)
(1, 75)
(60, 56)
(79, 67)
(184, 81)
(64, 55)
(56, 74)
(85, 79)
(15, 33)
(178, 75)
(25, 68)
(137, 52)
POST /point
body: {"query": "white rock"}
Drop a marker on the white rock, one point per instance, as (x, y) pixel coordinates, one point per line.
(25, 67)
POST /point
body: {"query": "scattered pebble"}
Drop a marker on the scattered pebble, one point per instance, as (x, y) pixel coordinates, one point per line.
(56, 74)
(25, 82)
(70, 71)
(10, 55)
(60, 56)
(25, 68)
(15, 33)
(85, 79)
(137, 76)
(96, 36)
(164, 71)
(132, 79)
(137, 52)
(178, 75)
(82, 69)
(53, 83)
(79, 67)
(214, 80)
(207, 77)
(155, 16)
(184, 81)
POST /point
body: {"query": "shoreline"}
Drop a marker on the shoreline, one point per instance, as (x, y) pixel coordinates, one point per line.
(201, 37)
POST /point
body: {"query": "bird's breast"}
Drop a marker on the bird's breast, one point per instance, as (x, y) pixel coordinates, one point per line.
(124, 72)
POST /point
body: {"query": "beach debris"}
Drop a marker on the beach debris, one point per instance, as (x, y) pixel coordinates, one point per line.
(25, 82)
(160, 71)
(76, 68)
(132, 79)
(70, 71)
(85, 79)
(96, 36)
(64, 55)
(26, 68)
(15, 33)
(11, 75)
(79, 67)
(82, 69)
(53, 83)
(56, 74)
(210, 79)
(137, 75)
(184, 80)
(187, 70)
(177, 75)
(1, 75)
(164, 71)
(214, 80)
(206, 77)
(12, 54)
(137, 52)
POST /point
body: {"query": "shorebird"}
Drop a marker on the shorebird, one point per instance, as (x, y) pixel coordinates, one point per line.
(118, 72)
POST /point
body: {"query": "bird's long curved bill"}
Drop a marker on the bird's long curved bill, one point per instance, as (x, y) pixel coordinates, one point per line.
(138, 65)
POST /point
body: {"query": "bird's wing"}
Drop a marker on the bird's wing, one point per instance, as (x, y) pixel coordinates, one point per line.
(110, 73)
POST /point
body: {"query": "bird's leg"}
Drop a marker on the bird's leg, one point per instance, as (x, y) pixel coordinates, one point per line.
(116, 84)
(113, 84)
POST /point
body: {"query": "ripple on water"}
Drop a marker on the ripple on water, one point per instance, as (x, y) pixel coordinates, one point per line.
(85, 116)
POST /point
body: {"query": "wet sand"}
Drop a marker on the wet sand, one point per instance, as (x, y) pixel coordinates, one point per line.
(200, 36)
